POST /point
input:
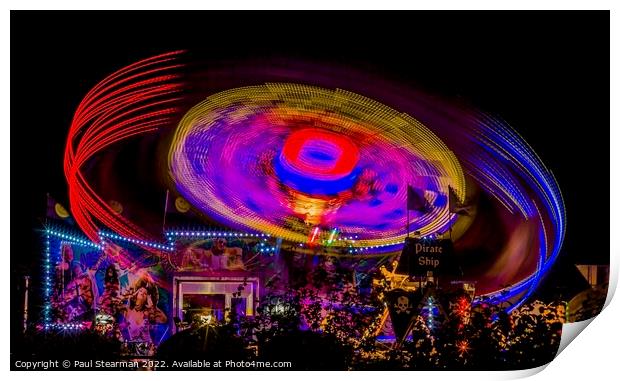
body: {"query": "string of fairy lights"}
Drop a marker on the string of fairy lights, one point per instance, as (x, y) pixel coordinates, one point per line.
(53, 257)
(60, 236)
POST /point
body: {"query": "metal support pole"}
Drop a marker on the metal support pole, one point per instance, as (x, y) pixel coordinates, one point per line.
(163, 226)
(26, 289)
(407, 221)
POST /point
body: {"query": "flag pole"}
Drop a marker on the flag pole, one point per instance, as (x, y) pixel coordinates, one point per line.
(26, 289)
(407, 210)
(163, 226)
(407, 222)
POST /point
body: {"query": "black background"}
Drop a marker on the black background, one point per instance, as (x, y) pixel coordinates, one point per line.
(546, 73)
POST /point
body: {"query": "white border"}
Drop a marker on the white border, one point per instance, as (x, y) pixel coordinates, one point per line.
(592, 356)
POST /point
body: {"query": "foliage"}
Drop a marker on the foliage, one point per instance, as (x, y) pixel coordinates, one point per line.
(327, 322)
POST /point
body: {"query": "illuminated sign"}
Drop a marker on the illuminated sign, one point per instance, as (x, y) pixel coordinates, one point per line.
(421, 255)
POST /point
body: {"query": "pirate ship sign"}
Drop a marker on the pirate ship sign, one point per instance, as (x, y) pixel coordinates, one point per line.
(421, 255)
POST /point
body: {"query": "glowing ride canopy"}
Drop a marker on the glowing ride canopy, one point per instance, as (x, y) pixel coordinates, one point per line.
(282, 158)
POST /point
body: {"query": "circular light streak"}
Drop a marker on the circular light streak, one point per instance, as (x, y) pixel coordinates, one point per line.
(319, 154)
(285, 158)
(137, 99)
(141, 98)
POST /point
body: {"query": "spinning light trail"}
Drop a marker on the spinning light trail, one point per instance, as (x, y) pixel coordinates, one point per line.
(288, 160)
(283, 158)
(135, 100)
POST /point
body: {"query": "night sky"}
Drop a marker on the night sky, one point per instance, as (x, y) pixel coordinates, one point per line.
(546, 73)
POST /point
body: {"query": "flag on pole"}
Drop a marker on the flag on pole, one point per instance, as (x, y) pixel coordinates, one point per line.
(177, 211)
(403, 307)
(57, 211)
(416, 200)
(452, 200)
(176, 204)
(454, 205)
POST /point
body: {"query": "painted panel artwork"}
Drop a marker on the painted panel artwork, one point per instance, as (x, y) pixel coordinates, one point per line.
(117, 291)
